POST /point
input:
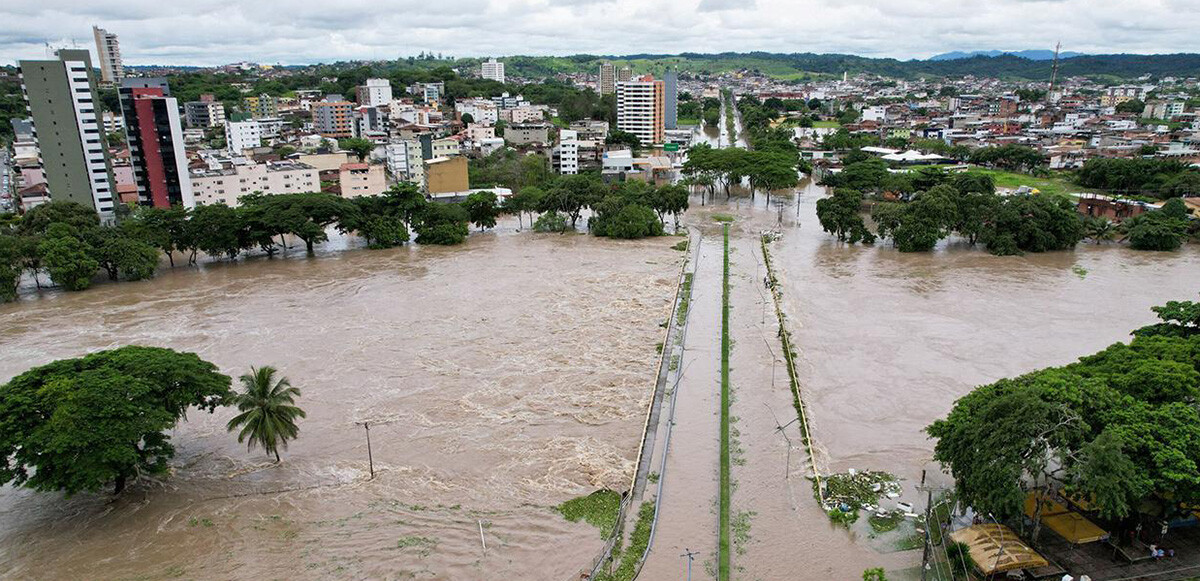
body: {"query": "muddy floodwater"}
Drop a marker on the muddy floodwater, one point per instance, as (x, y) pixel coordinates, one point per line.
(500, 378)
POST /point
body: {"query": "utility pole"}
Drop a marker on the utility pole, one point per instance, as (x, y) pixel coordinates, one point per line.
(690, 554)
(370, 461)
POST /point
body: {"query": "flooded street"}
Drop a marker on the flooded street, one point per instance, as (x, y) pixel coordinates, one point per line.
(887, 342)
(500, 378)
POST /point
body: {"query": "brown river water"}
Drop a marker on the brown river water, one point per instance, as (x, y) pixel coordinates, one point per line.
(501, 378)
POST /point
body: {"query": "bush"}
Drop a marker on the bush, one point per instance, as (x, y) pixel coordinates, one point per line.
(631, 221)
(550, 222)
(443, 224)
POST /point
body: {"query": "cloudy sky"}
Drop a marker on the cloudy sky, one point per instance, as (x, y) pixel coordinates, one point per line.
(305, 31)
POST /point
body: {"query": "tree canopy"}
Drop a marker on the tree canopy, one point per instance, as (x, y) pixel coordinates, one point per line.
(1120, 426)
(81, 424)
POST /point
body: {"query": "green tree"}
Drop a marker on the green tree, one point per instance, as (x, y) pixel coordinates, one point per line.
(839, 215)
(213, 230)
(1032, 223)
(67, 258)
(39, 218)
(618, 137)
(163, 228)
(1163, 229)
(526, 200)
(361, 148)
(268, 411)
(571, 194)
(442, 224)
(80, 424)
(482, 208)
(1119, 426)
(1134, 106)
(119, 253)
(306, 216)
(10, 267)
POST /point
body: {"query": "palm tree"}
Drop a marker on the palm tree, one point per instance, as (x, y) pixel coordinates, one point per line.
(268, 417)
(1100, 229)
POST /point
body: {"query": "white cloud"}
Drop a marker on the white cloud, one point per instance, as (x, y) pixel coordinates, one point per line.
(305, 31)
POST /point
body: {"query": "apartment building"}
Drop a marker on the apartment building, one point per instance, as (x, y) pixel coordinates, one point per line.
(333, 117)
(492, 69)
(62, 101)
(205, 113)
(154, 133)
(405, 162)
(524, 114)
(242, 135)
(230, 182)
(671, 99)
(374, 93)
(527, 133)
(566, 153)
(361, 179)
(108, 52)
(608, 79)
(481, 110)
(445, 175)
(624, 74)
(640, 108)
(261, 106)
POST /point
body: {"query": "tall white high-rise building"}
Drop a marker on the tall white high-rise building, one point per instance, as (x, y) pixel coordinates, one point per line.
(108, 51)
(375, 93)
(494, 70)
(640, 108)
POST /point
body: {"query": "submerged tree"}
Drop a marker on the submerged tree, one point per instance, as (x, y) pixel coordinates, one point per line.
(81, 424)
(268, 417)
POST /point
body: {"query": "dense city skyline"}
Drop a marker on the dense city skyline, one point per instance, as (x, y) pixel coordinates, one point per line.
(306, 32)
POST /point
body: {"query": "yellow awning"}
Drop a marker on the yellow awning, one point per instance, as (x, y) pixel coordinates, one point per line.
(1070, 525)
(996, 548)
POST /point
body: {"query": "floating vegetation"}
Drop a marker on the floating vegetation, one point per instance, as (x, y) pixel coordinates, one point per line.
(599, 509)
(1079, 271)
(851, 491)
(886, 522)
(682, 245)
(423, 545)
(722, 217)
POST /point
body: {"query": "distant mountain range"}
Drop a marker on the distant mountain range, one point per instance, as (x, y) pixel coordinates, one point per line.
(1033, 55)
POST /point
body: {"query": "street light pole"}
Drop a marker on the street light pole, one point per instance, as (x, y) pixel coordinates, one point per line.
(370, 460)
(690, 554)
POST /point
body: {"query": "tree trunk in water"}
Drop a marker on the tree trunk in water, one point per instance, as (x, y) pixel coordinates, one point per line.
(276, 456)
(119, 485)
(171, 258)
(309, 245)
(283, 241)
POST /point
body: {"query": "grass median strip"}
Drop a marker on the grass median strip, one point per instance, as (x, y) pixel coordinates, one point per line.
(723, 541)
